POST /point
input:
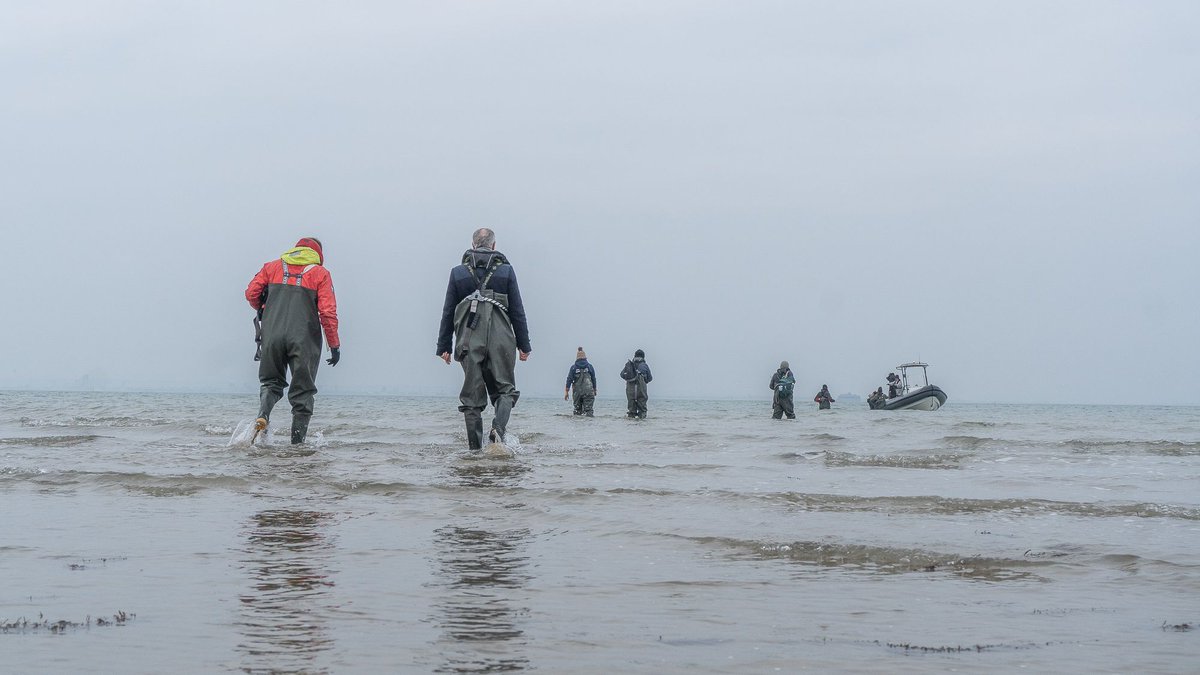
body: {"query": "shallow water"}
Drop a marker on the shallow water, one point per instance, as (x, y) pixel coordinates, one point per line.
(708, 538)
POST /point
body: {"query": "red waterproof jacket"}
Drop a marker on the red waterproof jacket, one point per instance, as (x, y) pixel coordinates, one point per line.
(313, 277)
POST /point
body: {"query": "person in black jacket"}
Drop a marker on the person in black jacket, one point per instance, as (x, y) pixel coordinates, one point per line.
(484, 315)
(824, 398)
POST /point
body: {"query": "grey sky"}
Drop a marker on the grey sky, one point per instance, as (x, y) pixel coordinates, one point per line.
(1006, 190)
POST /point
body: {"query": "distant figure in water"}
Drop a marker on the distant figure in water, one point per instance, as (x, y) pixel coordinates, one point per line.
(824, 398)
(876, 400)
(783, 382)
(294, 298)
(636, 374)
(894, 385)
(582, 379)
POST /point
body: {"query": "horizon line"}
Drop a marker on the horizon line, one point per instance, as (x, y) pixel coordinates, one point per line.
(543, 397)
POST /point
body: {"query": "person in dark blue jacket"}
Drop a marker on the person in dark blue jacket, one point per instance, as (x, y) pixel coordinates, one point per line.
(636, 374)
(484, 315)
(582, 378)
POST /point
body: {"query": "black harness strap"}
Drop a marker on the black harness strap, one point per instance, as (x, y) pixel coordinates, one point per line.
(481, 286)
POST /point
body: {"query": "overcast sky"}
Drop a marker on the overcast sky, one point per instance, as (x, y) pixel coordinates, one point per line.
(1007, 190)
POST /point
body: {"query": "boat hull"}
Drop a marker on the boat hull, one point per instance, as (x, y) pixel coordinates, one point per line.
(929, 397)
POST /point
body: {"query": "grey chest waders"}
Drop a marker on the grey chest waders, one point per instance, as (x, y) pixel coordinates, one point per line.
(471, 321)
(289, 339)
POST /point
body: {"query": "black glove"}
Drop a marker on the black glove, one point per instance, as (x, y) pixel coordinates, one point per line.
(335, 355)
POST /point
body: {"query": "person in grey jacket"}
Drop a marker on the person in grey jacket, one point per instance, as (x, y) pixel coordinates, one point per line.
(783, 382)
(636, 374)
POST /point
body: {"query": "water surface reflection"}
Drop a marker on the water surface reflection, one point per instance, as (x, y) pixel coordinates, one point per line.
(288, 557)
(483, 570)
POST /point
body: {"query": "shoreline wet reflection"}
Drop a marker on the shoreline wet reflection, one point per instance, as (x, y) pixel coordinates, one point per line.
(288, 558)
(483, 571)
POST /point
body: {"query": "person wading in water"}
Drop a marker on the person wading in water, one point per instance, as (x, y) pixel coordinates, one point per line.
(783, 382)
(636, 374)
(484, 316)
(824, 398)
(294, 297)
(581, 379)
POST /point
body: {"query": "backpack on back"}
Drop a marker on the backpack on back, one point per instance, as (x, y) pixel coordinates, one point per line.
(785, 385)
(630, 372)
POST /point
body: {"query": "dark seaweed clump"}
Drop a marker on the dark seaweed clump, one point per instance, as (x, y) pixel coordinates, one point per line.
(24, 625)
(955, 649)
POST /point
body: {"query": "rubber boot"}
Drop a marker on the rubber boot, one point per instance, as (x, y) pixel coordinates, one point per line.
(474, 422)
(299, 430)
(504, 406)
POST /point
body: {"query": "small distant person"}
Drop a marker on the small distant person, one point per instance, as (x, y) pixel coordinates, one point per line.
(636, 374)
(484, 315)
(876, 400)
(783, 383)
(894, 385)
(824, 398)
(581, 379)
(294, 296)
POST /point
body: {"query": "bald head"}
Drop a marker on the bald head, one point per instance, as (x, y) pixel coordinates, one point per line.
(483, 238)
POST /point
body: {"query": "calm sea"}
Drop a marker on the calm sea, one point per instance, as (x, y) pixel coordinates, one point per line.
(137, 538)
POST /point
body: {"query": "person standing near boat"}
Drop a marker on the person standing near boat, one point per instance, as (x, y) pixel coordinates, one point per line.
(894, 385)
(636, 374)
(484, 316)
(824, 398)
(783, 383)
(294, 297)
(581, 379)
(876, 400)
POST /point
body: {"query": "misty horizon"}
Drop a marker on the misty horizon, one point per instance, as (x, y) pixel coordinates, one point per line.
(1006, 195)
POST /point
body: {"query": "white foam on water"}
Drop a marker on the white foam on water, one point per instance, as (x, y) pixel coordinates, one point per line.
(243, 433)
(512, 442)
(497, 451)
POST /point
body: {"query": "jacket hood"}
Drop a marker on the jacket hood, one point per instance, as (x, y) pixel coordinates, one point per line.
(582, 362)
(482, 257)
(301, 255)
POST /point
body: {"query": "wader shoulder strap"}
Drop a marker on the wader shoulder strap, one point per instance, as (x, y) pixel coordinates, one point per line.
(481, 285)
(287, 273)
(478, 296)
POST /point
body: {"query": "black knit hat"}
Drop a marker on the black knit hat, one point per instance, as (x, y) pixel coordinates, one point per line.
(639, 354)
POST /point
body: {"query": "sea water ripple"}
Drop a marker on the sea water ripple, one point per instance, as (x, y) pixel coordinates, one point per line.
(708, 538)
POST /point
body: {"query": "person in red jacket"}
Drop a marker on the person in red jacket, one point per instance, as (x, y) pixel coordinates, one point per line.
(295, 296)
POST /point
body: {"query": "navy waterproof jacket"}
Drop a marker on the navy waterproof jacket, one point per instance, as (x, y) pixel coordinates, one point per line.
(581, 363)
(464, 281)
